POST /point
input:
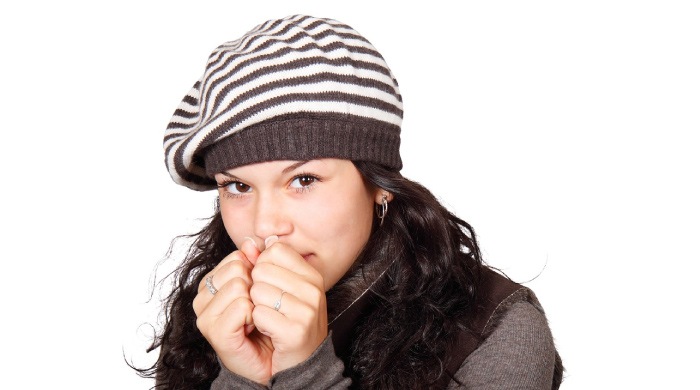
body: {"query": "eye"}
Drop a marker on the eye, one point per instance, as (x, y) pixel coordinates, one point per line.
(235, 187)
(303, 182)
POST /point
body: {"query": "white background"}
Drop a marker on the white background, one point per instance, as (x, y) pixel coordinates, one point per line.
(566, 133)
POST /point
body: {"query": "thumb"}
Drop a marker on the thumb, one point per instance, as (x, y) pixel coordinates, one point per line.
(250, 250)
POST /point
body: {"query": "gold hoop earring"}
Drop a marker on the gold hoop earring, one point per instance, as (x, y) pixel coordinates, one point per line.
(382, 210)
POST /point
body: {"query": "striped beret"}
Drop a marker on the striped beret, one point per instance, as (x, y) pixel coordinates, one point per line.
(297, 88)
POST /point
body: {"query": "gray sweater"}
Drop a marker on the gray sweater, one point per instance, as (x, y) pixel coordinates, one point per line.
(519, 353)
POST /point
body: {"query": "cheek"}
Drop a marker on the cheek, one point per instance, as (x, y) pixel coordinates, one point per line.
(340, 230)
(236, 224)
(341, 218)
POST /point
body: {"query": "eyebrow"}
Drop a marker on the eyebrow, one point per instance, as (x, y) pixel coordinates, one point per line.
(229, 175)
(284, 171)
(294, 166)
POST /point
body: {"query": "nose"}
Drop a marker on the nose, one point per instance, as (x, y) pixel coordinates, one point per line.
(271, 217)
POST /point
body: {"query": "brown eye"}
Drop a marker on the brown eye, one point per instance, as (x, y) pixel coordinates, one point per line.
(303, 181)
(237, 187)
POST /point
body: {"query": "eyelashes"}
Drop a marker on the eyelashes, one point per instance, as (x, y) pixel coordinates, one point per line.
(303, 182)
(233, 188)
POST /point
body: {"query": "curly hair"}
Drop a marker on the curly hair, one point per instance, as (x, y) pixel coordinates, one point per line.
(422, 265)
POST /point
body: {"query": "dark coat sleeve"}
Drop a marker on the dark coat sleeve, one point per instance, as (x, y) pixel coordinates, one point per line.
(322, 370)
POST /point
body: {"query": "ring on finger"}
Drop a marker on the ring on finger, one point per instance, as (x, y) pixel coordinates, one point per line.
(210, 285)
(278, 304)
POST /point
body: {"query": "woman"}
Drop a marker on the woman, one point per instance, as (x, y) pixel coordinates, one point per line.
(323, 267)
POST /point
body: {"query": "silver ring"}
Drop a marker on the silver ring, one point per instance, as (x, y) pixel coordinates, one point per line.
(279, 302)
(210, 285)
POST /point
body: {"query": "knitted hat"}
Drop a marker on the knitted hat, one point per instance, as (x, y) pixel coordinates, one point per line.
(297, 88)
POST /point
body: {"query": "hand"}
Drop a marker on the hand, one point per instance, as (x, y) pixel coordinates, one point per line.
(226, 318)
(249, 336)
(301, 323)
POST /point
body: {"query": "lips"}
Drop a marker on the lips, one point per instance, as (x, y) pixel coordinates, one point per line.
(307, 256)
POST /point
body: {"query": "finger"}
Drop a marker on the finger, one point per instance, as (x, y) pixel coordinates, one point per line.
(284, 256)
(286, 280)
(230, 270)
(236, 256)
(304, 310)
(206, 304)
(263, 294)
(269, 321)
(271, 240)
(229, 329)
(290, 335)
(237, 316)
(250, 249)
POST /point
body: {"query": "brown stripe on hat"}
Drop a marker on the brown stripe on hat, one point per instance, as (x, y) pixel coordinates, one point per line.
(233, 121)
(302, 62)
(279, 38)
(294, 65)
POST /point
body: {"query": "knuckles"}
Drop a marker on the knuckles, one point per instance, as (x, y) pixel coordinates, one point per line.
(256, 292)
(306, 315)
(235, 287)
(241, 304)
(207, 324)
(317, 280)
(316, 294)
(260, 271)
(235, 269)
(236, 255)
(278, 251)
(197, 304)
(202, 325)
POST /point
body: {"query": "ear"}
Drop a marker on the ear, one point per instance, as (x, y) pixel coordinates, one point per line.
(379, 193)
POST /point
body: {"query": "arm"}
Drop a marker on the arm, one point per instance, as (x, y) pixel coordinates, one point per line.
(322, 370)
(519, 354)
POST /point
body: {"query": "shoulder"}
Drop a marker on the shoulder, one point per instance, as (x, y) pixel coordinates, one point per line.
(518, 350)
(520, 329)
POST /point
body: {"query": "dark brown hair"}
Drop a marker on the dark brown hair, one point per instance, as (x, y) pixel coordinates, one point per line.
(432, 265)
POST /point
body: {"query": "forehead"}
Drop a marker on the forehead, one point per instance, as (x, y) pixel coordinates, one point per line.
(283, 167)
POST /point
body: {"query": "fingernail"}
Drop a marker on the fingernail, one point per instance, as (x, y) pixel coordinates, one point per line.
(253, 241)
(271, 240)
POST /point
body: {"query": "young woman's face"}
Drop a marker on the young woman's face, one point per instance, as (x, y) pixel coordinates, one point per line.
(321, 208)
